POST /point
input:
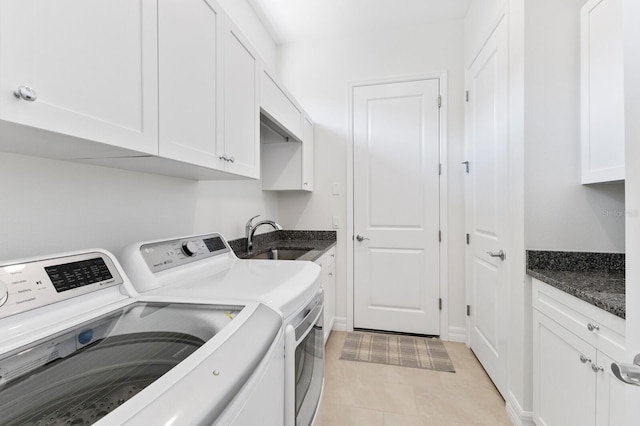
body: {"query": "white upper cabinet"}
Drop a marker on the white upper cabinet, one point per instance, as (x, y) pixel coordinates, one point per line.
(190, 40)
(602, 92)
(91, 66)
(280, 107)
(240, 145)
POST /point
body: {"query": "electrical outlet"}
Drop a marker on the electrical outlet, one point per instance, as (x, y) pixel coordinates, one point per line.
(336, 222)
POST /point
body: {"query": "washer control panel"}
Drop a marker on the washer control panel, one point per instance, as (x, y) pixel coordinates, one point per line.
(163, 255)
(30, 285)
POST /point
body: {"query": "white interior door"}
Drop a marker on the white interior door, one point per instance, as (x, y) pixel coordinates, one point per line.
(396, 206)
(487, 207)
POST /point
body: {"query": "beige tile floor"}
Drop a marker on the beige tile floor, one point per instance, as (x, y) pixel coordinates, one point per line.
(364, 394)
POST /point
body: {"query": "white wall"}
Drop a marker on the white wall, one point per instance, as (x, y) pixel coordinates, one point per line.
(561, 214)
(50, 206)
(318, 74)
(226, 206)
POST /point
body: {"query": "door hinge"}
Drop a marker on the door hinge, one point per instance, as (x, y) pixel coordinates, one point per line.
(439, 101)
(439, 236)
(466, 96)
(468, 310)
(440, 303)
(468, 238)
(466, 166)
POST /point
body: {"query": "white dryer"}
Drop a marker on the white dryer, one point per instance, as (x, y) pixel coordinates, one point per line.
(203, 267)
(80, 346)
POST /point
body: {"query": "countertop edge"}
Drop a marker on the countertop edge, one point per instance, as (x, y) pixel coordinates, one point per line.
(589, 297)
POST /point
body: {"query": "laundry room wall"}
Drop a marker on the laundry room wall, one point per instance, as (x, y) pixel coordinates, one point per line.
(51, 206)
(318, 73)
(561, 213)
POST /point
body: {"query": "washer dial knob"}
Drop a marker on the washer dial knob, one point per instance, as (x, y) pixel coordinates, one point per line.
(4, 293)
(190, 248)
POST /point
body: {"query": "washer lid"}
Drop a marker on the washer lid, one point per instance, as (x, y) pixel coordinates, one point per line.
(84, 373)
(284, 285)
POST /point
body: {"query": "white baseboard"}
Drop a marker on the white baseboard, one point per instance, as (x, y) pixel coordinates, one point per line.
(340, 324)
(516, 414)
(457, 334)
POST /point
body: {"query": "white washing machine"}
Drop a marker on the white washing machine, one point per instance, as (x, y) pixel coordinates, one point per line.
(203, 267)
(80, 346)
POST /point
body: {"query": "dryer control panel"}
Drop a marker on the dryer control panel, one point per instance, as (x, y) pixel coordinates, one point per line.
(162, 255)
(36, 283)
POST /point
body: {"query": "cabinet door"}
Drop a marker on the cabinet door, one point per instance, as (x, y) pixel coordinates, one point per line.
(610, 408)
(327, 263)
(307, 155)
(241, 144)
(602, 91)
(92, 64)
(280, 107)
(564, 387)
(190, 37)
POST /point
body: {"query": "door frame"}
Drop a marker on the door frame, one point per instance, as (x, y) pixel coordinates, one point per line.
(444, 260)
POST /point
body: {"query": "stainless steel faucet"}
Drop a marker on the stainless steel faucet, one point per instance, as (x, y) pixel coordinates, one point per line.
(250, 229)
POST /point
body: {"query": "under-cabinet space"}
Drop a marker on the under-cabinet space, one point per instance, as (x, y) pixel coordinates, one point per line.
(286, 165)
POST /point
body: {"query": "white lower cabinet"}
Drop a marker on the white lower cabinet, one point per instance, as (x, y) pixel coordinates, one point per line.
(328, 264)
(573, 347)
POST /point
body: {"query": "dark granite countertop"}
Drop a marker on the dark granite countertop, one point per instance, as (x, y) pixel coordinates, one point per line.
(596, 278)
(318, 243)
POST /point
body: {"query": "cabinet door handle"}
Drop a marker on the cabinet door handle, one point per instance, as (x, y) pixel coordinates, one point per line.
(584, 359)
(596, 368)
(232, 160)
(593, 327)
(224, 157)
(25, 93)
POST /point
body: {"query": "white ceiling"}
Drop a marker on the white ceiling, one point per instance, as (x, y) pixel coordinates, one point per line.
(296, 20)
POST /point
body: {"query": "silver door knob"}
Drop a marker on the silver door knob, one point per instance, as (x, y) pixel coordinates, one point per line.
(596, 368)
(25, 93)
(224, 157)
(584, 359)
(361, 238)
(232, 160)
(593, 327)
(499, 254)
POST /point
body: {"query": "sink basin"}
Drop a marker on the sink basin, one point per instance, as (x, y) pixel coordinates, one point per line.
(281, 254)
